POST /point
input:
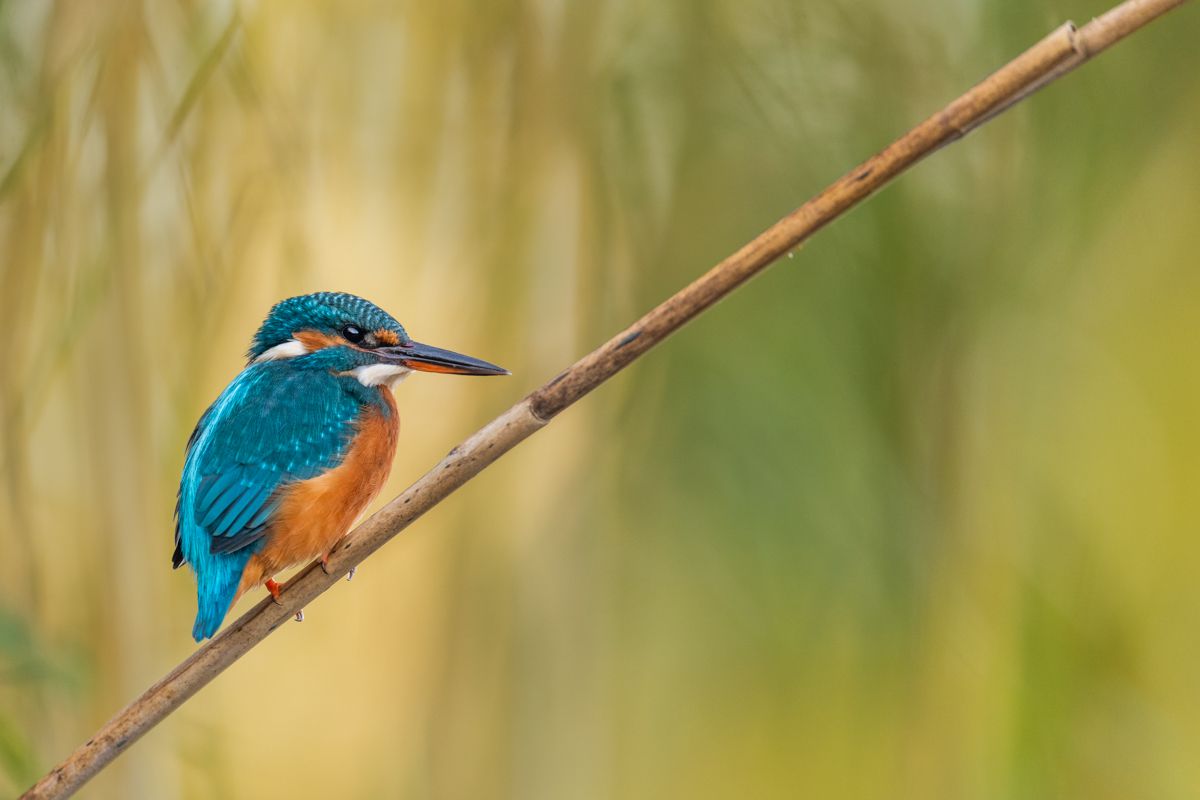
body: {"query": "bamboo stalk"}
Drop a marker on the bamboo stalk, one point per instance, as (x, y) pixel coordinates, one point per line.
(1061, 51)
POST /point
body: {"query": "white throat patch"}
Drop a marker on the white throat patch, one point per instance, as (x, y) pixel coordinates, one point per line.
(289, 349)
(380, 374)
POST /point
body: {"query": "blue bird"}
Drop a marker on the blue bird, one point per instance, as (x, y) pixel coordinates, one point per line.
(296, 447)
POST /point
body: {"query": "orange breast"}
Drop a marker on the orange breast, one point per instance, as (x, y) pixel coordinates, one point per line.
(316, 513)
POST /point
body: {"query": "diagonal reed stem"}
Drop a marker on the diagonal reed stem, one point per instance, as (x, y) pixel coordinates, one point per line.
(1061, 51)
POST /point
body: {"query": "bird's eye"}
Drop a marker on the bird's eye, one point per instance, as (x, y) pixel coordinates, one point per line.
(353, 334)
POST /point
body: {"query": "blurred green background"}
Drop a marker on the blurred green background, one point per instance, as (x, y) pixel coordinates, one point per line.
(915, 514)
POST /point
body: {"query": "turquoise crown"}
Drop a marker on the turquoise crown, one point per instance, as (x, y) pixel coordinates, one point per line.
(321, 311)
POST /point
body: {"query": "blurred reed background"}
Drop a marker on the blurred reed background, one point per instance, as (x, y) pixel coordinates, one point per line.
(914, 515)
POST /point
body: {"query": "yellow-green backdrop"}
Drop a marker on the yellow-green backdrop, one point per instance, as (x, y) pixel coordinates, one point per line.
(916, 514)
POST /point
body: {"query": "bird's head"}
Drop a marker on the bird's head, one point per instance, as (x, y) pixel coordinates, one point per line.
(354, 336)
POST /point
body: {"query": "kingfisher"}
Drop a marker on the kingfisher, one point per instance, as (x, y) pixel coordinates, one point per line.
(296, 447)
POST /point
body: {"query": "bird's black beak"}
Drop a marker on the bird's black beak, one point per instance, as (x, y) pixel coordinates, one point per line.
(425, 358)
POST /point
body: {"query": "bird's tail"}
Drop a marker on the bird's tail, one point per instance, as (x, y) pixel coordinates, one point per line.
(216, 586)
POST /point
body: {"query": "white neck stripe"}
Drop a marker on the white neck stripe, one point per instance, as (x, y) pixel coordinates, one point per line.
(289, 349)
(380, 374)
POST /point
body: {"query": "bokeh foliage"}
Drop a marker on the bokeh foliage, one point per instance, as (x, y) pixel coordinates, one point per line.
(914, 515)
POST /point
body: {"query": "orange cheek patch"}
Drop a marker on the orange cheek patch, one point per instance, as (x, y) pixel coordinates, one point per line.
(386, 337)
(315, 340)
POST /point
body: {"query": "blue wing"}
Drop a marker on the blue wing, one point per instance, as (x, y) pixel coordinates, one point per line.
(271, 426)
(275, 424)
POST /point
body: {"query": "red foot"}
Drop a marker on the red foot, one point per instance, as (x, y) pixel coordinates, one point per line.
(273, 588)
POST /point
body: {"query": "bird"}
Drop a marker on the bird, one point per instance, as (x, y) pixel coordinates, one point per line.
(296, 447)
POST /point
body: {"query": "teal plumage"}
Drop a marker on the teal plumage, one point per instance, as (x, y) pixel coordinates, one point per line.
(275, 424)
(319, 366)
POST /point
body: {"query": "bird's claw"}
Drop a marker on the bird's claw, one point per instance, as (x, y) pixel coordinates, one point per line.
(300, 615)
(274, 589)
(324, 562)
